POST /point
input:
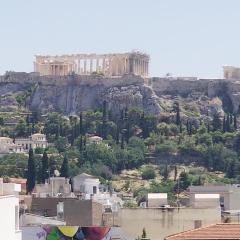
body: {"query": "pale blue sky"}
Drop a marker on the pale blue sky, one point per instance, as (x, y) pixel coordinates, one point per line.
(183, 37)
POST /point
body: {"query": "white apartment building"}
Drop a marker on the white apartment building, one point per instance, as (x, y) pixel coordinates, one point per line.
(54, 187)
(9, 205)
(229, 195)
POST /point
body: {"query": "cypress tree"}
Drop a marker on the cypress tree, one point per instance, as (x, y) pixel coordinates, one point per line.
(75, 128)
(165, 173)
(235, 121)
(231, 169)
(84, 143)
(180, 128)
(144, 234)
(117, 134)
(122, 141)
(58, 132)
(216, 122)
(27, 120)
(81, 144)
(72, 137)
(126, 126)
(45, 167)
(33, 128)
(81, 124)
(178, 118)
(231, 119)
(175, 173)
(228, 125)
(64, 172)
(224, 124)
(104, 120)
(31, 173)
(190, 128)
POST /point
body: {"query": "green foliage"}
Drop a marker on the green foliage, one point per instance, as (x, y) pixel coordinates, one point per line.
(183, 183)
(64, 172)
(148, 173)
(39, 150)
(140, 195)
(13, 165)
(144, 234)
(61, 144)
(21, 129)
(31, 172)
(45, 167)
(168, 147)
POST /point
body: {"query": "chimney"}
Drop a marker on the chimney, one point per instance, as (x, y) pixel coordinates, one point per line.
(197, 224)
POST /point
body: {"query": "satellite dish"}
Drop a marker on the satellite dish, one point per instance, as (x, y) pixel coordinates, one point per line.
(56, 173)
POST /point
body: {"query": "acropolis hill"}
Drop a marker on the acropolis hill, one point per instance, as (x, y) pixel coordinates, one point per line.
(73, 83)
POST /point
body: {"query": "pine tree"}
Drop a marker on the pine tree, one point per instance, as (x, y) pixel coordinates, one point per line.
(64, 172)
(31, 173)
(45, 167)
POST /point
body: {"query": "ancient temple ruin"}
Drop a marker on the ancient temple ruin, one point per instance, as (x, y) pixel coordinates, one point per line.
(231, 72)
(85, 64)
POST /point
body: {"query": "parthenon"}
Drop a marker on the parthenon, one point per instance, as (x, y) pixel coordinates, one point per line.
(134, 62)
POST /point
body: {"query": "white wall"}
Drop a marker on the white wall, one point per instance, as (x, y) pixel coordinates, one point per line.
(85, 185)
(7, 218)
(160, 223)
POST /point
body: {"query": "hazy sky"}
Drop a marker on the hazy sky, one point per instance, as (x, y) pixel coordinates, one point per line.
(183, 37)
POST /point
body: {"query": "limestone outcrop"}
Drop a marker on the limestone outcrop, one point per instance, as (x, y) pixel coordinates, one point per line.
(74, 93)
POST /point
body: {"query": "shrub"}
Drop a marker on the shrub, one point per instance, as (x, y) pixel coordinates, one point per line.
(148, 173)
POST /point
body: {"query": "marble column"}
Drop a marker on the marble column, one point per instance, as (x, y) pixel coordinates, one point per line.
(85, 66)
(91, 65)
(104, 65)
(97, 64)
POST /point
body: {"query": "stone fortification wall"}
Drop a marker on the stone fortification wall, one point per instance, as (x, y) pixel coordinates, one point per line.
(179, 86)
(74, 93)
(79, 80)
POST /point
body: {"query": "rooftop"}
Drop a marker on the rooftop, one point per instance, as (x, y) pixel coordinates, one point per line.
(228, 231)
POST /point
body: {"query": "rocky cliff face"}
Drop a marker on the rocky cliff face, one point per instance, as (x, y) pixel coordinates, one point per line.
(72, 94)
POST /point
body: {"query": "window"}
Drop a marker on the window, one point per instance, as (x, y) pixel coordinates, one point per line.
(94, 189)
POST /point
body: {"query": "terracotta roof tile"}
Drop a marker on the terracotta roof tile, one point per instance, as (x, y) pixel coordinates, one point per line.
(227, 231)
